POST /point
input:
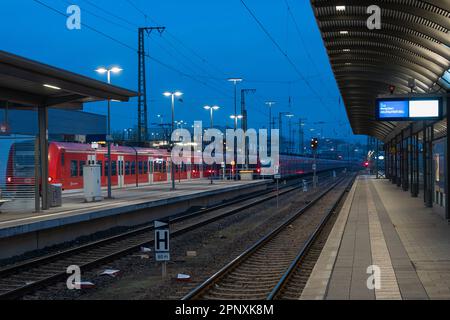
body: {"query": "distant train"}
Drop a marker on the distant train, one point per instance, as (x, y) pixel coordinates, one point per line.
(134, 166)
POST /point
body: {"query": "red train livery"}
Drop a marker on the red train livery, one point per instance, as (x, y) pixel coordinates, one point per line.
(134, 166)
(129, 166)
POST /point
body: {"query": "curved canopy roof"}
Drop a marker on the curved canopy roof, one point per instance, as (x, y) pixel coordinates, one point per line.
(413, 43)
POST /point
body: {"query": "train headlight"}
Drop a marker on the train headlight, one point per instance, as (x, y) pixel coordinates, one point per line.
(9, 179)
(50, 179)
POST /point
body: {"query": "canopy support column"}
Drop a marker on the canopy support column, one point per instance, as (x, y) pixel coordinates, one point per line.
(43, 152)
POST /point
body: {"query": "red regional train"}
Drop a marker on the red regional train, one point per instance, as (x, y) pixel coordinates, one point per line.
(129, 166)
(133, 166)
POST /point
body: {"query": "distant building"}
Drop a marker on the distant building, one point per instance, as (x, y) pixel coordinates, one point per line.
(63, 125)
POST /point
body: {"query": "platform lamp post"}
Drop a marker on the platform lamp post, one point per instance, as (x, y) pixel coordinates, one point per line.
(108, 72)
(173, 95)
(235, 81)
(236, 117)
(211, 118)
(270, 104)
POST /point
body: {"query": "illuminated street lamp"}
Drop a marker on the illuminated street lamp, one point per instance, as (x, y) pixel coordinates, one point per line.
(108, 71)
(235, 81)
(236, 118)
(172, 95)
(211, 110)
(270, 104)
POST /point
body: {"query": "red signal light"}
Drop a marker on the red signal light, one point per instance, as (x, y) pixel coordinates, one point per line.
(366, 164)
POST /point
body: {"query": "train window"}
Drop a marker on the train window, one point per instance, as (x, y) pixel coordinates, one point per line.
(127, 168)
(74, 168)
(82, 163)
(113, 168)
(63, 159)
(145, 167)
(133, 167)
(141, 168)
(100, 163)
(106, 168)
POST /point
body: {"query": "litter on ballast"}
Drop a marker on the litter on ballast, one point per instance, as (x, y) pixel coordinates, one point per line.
(110, 272)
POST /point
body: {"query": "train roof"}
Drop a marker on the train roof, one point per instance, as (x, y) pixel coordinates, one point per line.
(79, 147)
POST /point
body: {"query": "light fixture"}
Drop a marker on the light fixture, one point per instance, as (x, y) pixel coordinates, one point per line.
(216, 107)
(235, 80)
(343, 32)
(176, 94)
(101, 70)
(116, 69)
(341, 8)
(346, 50)
(52, 87)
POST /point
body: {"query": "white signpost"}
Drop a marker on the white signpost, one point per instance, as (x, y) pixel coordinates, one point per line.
(162, 244)
(277, 177)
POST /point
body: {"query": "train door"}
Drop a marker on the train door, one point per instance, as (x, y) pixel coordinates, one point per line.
(120, 172)
(150, 170)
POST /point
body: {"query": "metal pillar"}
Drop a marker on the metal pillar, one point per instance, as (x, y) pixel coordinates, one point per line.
(447, 166)
(428, 167)
(415, 166)
(405, 156)
(142, 83)
(43, 151)
(400, 161)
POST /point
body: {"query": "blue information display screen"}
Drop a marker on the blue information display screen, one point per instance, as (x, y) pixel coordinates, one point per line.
(393, 109)
(409, 109)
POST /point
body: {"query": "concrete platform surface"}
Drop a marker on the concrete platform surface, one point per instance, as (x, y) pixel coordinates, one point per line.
(383, 228)
(75, 210)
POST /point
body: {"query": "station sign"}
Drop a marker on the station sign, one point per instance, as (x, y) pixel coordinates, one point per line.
(162, 241)
(409, 108)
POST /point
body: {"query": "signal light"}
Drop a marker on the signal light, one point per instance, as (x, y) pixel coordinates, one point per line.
(366, 164)
(314, 143)
(392, 89)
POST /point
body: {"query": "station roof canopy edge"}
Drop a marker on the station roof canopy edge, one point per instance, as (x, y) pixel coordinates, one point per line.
(413, 43)
(27, 83)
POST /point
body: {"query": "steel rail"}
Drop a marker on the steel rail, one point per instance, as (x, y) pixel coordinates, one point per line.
(202, 288)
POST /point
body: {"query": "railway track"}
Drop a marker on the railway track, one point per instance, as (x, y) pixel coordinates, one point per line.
(24, 278)
(263, 271)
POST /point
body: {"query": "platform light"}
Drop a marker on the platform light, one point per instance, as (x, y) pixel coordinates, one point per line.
(346, 50)
(235, 80)
(52, 87)
(101, 70)
(343, 32)
(116, 69)
(341, 8)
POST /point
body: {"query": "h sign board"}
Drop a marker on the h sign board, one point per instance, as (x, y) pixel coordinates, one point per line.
(162, 241)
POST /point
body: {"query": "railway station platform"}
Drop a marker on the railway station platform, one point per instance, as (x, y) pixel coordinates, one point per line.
(25, 231)
(380, 225)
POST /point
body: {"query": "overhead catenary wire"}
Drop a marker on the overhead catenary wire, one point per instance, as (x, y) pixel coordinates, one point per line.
(287, 57)
(122, 43)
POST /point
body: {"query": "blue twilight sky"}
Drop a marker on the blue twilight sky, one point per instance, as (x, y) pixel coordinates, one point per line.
(206, 42)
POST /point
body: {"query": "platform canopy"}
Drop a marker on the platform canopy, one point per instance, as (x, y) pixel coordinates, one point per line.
(413, 43)
(27, 83)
